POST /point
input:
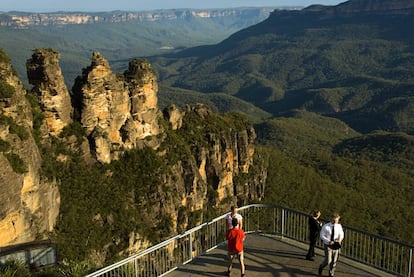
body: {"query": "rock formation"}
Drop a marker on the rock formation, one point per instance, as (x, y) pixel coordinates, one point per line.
(24, 20)
(45, 75)
(144, 115)
(29, 205)
(174, 117)
(117, 113)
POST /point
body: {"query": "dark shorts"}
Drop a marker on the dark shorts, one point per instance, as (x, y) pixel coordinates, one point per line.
(240, 255)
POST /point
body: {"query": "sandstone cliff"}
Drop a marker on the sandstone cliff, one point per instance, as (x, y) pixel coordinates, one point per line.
(21, 20)
(199, 161)
(45, 75)
(117, 112)
(29, 205)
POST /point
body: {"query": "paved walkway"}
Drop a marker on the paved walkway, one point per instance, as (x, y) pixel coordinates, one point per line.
(269, 256)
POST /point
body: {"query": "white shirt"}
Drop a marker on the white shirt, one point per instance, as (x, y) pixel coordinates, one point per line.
(326, 232)
(230, 217)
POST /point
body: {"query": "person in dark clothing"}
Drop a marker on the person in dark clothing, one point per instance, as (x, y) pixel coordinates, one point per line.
(314, 229)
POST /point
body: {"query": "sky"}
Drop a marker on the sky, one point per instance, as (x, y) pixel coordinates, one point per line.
(140, 5)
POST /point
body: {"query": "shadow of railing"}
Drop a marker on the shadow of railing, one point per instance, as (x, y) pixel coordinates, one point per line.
(378, 252)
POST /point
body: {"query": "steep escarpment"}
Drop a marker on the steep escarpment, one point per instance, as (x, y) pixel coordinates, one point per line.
(218, 157)
(24, 20)
(128, 174)
(29, 204)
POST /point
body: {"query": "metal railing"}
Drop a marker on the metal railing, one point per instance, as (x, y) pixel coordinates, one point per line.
(379, 252)
(34, 254)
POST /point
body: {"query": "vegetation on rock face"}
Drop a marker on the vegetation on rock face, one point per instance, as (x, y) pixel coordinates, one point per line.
(6, 91)
(101, 205)
(14, 128)
(4, 58)
(16, 162)
(4, 146)
(38, 116)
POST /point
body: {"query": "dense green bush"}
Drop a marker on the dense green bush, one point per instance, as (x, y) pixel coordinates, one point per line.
(6, 90)
(38, 115)
(102, 205)
(74, 129)
(16, 163)
(14, 128)
(4, 146)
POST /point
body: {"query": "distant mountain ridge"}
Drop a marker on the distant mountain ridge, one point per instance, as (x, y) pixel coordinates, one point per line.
(352, 61)
(352, 6)
(119, 35)
(393, 6)
(23, 19)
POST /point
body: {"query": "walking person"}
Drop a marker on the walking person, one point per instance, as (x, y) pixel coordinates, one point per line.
(314, 229)
(234, 214)
(332, 235)
(235, 238)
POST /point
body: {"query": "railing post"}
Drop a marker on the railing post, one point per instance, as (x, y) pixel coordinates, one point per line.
(372, 250)
(190, 248)
(248, 218)
(136, 267)
(282, 227)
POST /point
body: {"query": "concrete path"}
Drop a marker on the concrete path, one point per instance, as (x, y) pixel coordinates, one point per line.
(270, 256)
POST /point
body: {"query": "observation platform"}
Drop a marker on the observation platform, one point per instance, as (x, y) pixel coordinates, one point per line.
(268, 256)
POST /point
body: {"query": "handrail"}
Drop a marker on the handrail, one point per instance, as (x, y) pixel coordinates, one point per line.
(373, 250)
(34, 254)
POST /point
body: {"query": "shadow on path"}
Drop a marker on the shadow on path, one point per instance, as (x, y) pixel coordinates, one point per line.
(267, 257)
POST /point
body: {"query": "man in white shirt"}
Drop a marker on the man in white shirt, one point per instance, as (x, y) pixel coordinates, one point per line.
(233, 214)
(332, 235)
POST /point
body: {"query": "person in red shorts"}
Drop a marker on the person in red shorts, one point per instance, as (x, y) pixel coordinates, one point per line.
(235, 238)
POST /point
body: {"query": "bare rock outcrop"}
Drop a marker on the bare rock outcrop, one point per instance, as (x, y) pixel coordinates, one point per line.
(174, 116)
(143, 123)
(28, 205)
(45, 75)
(118, 112)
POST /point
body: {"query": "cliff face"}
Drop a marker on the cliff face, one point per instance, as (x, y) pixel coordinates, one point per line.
(29, 205)
(45, 75)
(224, 157)
(117, 112)
(21, 20)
